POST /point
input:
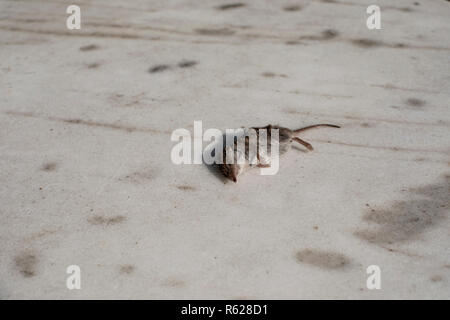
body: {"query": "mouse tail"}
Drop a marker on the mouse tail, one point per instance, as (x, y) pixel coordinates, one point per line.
(315, 126)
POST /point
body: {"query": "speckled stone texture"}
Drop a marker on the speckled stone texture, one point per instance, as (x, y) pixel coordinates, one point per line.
(86, 177)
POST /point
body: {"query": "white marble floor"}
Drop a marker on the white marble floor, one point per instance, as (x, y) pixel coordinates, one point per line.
(86, 177)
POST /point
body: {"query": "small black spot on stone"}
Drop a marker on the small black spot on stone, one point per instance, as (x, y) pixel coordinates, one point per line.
(106, 221)
(436, 278)
(174, 283)
(292, 8)
(49, 166)
(405, 9)
(94, 65)
(139, 177)
(185, 188)
(159, 68)
(126, 269)
(329, 34)
(414, 102)
(366, 43)
(231, 6)
(400, 45)
(89, 47)
(26, 264)
(187, 63)
(215, 32)
(269, 74)
(323, 259)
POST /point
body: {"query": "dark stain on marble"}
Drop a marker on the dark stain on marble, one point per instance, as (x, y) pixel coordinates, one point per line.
(293, 42)
(106, 221)
(370, 43)
(159, 68)
(366, 43)
(105, 125)
(120, 100)
(269, 74)
(187, 63)
(89, 47)
(440, 123)
(405, 9)
(323, 259)
(49, 166)
(64, 33)
(397, 45)
(186, 188)
(26, 264)
(292, 8)
(325, 35)
(390, 86)
(214, 31)
(414, 102)
(173, 283)
(30, 20)
(329, 34)
(127, 269)
(405, 220)
(230, 6)
(41, 234)
(94, 65)
(436, 278)
(90, 123)
(139, 177)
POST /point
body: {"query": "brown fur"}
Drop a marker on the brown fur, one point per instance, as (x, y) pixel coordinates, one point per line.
(286, 137)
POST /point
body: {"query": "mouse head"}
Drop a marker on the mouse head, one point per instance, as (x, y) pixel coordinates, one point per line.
(233, 163)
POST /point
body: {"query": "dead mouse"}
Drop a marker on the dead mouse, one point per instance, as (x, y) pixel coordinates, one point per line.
(231, 169)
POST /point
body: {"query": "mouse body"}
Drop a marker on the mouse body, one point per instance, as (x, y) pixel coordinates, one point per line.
(237, 158)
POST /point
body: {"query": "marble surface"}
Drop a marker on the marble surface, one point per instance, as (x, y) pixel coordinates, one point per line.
(86, 177)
